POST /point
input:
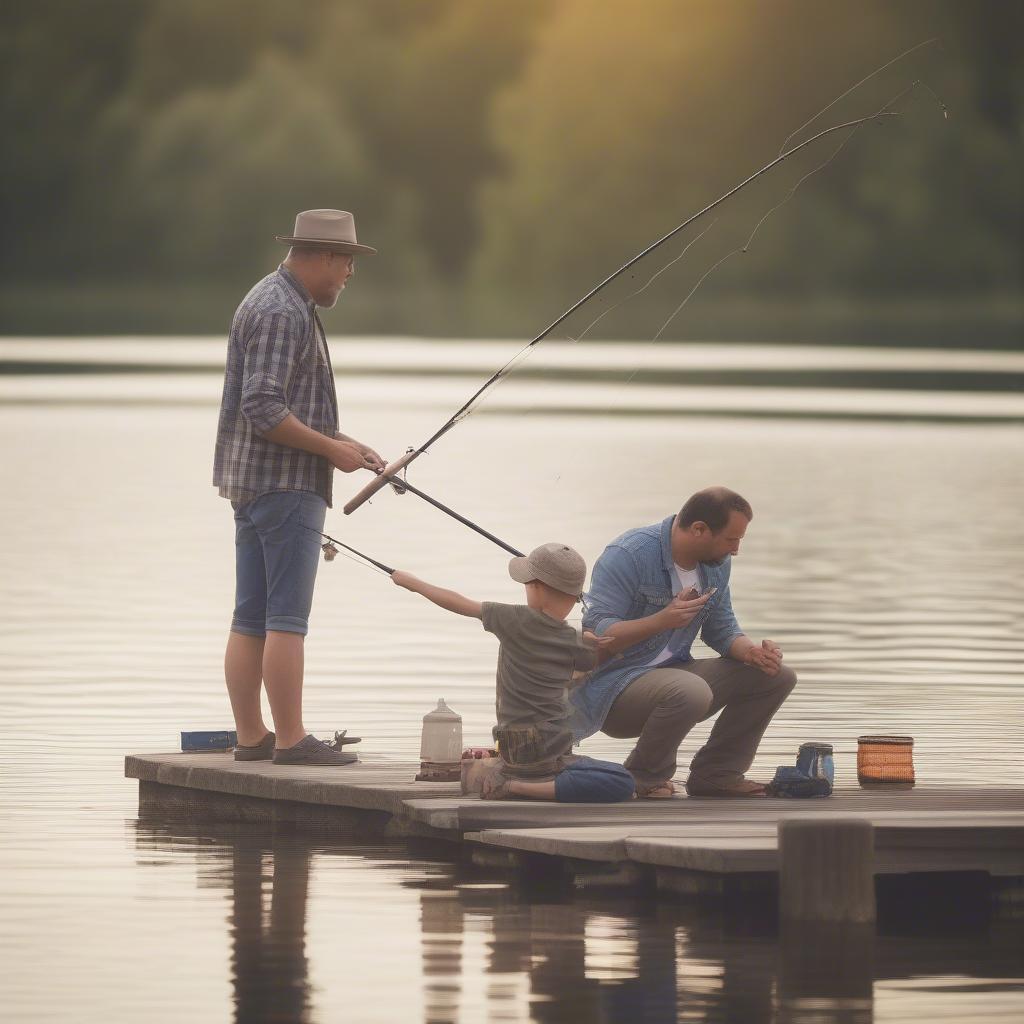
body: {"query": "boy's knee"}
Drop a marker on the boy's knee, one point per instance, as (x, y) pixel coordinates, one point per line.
(625, 786)
(594, 782)
(616, 785)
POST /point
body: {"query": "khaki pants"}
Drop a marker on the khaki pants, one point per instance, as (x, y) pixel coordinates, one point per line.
(663, 705)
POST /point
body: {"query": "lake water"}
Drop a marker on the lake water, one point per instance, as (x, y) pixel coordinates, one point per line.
(884, 557)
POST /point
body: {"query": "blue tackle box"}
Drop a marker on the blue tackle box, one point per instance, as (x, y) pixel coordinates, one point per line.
(221, 739)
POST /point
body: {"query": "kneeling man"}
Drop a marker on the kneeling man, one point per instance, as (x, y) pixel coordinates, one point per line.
(653, 590)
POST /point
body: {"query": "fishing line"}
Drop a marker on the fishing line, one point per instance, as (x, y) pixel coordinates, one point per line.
(789, 195)
(373, 563)
(742, 248)
(855, 87)
(853, 131)
(745, 247)
(644, 287)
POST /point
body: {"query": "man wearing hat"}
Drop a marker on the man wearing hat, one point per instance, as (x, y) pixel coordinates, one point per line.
(278, 445)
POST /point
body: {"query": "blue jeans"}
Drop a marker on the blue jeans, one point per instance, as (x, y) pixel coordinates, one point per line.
(277, 551)
(585, 780)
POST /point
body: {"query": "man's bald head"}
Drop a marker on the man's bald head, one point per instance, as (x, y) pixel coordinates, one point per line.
(713, 506)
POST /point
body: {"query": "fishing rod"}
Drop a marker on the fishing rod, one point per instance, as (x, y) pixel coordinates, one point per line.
(330, 549)
(403, 485)
(400, 486)
(388, 474)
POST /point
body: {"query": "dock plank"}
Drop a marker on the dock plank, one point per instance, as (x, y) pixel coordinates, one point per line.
(378, 786)
(475, 815)
(933, 842)
(611, 842)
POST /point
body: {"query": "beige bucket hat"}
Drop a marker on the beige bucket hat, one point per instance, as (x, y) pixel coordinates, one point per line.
(334, 230)
(557, 565)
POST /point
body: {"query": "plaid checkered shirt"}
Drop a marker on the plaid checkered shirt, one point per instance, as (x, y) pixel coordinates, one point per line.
(277, 363)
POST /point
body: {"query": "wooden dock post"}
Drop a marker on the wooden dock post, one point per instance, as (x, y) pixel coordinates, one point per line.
(826, 870)
(827, 907)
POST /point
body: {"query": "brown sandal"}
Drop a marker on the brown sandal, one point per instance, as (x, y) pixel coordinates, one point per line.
(656, 791)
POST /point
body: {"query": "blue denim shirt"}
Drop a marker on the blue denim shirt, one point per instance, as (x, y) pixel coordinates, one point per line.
(632, 579)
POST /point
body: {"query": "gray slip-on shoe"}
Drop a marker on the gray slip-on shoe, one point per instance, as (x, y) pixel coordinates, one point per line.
(262, 751)
(311, 751)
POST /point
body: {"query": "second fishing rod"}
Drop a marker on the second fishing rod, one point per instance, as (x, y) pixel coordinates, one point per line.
(401, 486)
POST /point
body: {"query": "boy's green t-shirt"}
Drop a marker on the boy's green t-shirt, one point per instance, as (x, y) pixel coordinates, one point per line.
(536, 661)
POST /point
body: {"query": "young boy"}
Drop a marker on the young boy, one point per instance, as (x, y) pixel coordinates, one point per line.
(538, 657)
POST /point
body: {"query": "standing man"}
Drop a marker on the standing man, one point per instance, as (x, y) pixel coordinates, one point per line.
(277, 448)
(653, 589)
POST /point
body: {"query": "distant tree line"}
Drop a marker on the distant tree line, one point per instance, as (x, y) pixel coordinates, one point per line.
(507, 156)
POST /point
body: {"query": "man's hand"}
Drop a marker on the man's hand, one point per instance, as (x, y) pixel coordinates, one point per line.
(767, 657)
(374, 461)
(683, 609)
(593, 640)
(600, 643)
(348, 456)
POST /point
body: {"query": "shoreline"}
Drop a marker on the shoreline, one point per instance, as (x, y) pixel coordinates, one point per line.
(980, 321)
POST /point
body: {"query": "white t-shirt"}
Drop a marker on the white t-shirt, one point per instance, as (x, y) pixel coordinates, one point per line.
(685, 578)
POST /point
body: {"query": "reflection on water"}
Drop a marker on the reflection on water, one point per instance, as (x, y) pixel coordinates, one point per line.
(496, 950)
(885, 557)
(269, 971)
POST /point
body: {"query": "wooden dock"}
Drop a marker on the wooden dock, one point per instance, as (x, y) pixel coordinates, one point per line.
(685, 845)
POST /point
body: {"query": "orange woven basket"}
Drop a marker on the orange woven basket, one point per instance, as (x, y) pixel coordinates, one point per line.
(882, 759)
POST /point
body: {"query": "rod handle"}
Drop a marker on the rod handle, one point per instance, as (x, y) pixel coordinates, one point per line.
(379, 481)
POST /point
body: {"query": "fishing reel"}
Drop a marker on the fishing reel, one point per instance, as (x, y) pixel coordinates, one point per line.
(398, 486)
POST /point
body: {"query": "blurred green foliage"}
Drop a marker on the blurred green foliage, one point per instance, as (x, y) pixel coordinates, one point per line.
(504, 158)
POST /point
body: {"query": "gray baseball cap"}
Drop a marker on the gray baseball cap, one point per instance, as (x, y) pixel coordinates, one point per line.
(557, 565)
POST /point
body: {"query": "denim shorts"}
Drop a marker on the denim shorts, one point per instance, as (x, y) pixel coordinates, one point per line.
(277, 551)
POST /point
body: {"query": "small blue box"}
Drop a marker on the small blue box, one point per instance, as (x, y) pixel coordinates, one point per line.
(222, 739)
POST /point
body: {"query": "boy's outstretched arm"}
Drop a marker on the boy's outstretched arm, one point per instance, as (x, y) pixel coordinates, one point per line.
(447, 599)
